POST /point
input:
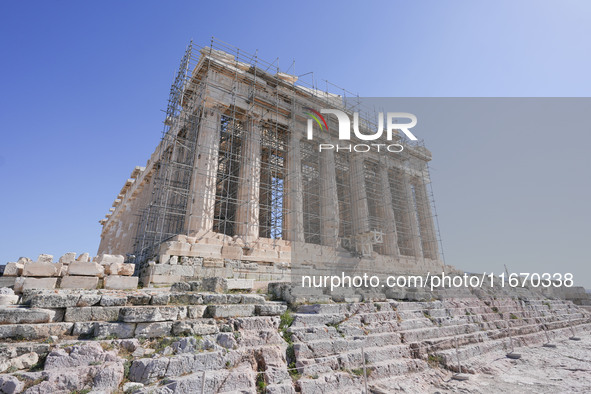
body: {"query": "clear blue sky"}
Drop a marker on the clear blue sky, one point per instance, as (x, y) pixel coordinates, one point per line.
(83, 85)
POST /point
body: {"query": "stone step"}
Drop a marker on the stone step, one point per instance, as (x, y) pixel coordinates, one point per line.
(419, 307)
(422, 334)
(471, 351)
(442, 343)
(384, 369)
(150, 370)
(323, 348)
(242, 380)
(321, 369)
(35, 331)
(421, 320)
(77, 298)
(349, 378)
(437, 331)
(309, 348)
(344, 382)
(333, 339)
(20, 315)
(119, 329)
(304, 320)
(133, 314)
(9, 350)
(423, 327)
(424, 340)
(352, 356)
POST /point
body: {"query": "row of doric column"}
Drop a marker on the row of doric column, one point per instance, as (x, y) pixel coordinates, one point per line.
(411, 224)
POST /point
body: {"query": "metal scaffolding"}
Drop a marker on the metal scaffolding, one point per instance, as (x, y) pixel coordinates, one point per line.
(164, 215)
(251, 177)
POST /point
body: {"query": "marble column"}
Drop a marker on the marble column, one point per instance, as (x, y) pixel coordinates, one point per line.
(294, 207)
(359, 207)
(329, 200)
(426, 224)
(247, 212)
(386, 212)
(410, 210)
(200, 214)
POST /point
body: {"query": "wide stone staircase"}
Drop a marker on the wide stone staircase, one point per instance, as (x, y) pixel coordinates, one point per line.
(332, 342)
(194, 341)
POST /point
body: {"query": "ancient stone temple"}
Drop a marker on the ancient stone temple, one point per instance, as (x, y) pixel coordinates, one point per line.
(252, 185)
(237, 182)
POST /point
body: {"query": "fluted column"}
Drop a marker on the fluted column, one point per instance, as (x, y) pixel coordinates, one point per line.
(247, 213)
(200, 214)
(359, 207)
(426, 224)
(386, 210)
(294, 207)
(411, 217)
(329, 201)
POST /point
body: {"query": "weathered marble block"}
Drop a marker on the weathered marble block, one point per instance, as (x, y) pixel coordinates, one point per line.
(116, 282)
(86, 269)
(110, 258)
(13, 269)
(79, 282)
(43, 269)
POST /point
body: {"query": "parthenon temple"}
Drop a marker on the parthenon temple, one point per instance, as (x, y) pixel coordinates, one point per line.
(236, 189)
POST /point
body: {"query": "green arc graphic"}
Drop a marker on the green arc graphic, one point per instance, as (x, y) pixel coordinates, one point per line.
(316, 119)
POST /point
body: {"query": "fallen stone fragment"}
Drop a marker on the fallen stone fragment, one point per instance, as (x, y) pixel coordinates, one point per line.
(84, 258)
(25, 361)
(116, 282)
(68, 258)
(86, 269)
(43, 269)
(13, 269)
(45, 258)
(110, 258)
(37, 283)
(6, 299)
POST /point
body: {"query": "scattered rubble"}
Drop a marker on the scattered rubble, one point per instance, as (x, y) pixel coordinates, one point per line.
(105, 271)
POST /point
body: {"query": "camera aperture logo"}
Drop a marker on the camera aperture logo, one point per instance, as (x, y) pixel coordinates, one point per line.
(344, 131)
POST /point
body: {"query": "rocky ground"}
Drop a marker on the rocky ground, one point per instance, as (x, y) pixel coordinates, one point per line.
(567, 368)
(106, 366)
